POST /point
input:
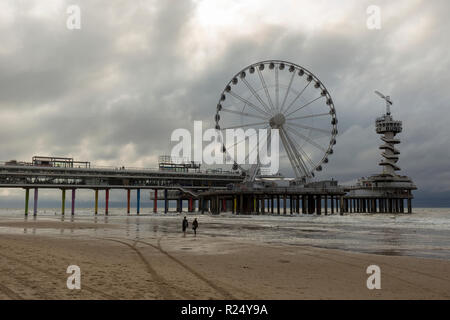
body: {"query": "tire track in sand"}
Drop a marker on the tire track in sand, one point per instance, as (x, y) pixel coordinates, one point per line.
(54, 275)
(164, 289)
(216, 287)
(10, 293)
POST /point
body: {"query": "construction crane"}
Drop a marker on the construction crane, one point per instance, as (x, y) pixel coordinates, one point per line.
(389, 103)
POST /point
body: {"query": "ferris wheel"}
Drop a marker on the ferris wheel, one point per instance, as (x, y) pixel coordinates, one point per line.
(282, 95)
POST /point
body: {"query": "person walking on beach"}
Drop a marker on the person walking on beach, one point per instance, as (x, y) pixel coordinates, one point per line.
(195, 226)
(185, 225)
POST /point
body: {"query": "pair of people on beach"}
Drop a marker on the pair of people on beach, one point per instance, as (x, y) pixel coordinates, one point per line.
(186, 224)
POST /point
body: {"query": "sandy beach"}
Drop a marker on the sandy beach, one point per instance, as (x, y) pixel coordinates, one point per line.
(149, 258)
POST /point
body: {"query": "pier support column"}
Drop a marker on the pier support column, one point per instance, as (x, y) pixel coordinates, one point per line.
(27, 200)
(341, 203)
(166, 202)
(291, 205)
(96, 202)
(311, 205)
(325, 198)
(36, 196)
(284, 204)
(332, 204)
(318, 205)
(234, 205)
(106, 201)
(271, 205)
(263, 205)
(155, 201)
(297, 207)
(303, 204)
(241, 204)
(278, 204)
(128, 200)
(201, 205)
(63, 201)
(138, 201)
(73, 201)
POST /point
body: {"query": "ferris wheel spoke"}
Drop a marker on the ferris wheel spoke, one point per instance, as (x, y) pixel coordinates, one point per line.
(295, 157)
(304, 153)
(310, 116)
(277, 90)
(296, 153)
(288, 153)
(256, 95)
(307, 139)
(245, 125)
(310, 128)
(236, 143)
(250, 104)
(266, 91)
(304, 106)
(298, 96)
(287, 92)
(250, 152)
(244, 114)
(296, 166)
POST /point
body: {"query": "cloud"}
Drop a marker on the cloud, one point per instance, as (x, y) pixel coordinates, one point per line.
(113, 92)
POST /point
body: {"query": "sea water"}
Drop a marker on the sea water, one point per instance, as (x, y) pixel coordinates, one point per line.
(425, 233)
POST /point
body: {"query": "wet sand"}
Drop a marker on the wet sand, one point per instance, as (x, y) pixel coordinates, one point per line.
(148, 258)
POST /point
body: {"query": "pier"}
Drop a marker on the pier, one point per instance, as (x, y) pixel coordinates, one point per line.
(68, 178)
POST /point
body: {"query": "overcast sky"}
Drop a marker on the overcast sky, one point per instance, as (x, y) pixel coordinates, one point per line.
(113, 91)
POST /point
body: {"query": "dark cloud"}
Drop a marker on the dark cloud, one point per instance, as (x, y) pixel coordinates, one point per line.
(113, 91)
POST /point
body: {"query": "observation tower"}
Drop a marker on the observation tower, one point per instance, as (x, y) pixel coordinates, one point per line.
(384, 192)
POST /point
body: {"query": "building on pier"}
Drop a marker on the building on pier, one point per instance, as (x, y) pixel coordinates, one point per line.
(324, 197)
(387, 191)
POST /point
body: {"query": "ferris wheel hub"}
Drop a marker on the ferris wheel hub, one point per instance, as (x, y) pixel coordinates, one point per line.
(277, 121)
